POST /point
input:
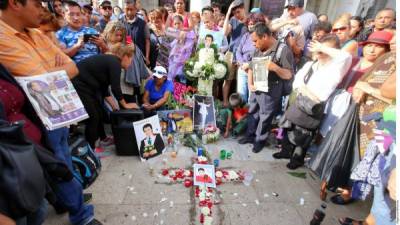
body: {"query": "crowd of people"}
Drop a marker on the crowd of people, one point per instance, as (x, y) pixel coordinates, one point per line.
(330, 95)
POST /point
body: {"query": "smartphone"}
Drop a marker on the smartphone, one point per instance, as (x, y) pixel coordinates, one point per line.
(86, 37)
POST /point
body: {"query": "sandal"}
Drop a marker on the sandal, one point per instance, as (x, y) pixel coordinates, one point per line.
(349, 221)
(339, 200)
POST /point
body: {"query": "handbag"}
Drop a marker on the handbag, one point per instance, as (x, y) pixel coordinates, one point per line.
(22, 181)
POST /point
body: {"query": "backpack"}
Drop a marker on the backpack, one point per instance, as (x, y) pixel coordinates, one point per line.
(287, 84)
(22, 181)
(86, 164)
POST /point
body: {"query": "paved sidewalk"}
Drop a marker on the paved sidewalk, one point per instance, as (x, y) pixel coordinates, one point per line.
(126, 193)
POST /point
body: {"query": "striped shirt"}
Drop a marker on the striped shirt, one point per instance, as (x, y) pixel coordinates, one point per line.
(29, 53)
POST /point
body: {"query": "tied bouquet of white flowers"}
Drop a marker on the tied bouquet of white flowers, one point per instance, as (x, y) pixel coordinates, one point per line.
(205, 67)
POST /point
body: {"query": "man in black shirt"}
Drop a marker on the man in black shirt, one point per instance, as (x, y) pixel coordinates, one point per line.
(265, 103)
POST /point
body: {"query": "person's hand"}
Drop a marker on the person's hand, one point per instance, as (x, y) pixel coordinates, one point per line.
(230, 9)
(226, 134)
(98, 41)
(59, 60)
(245, 67)
(272, 66)
(131, 106)
(315, 46)
(146, 155)
(392, 184)
(80, 42)
(252, 88)
(358, 95)
(148, 106)
(147, 61)
(182, 36)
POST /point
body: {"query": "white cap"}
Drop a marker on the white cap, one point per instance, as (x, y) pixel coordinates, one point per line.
(159, 72)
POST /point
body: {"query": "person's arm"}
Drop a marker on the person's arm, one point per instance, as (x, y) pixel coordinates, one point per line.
(334, 53)
(392, 184)
(283, 73)
(4, 220)
(275, 26)
(293, 45)
(224, 46)
(161, 102)
(365, 88)
(227, 28)
(252, 88)
(146, 98)
(238, 53)
(228, 125)
(147, 44)
(69, 67)
(71, 52)
(388, 88)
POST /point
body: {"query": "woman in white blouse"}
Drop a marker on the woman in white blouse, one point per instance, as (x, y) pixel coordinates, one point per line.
(316, 80)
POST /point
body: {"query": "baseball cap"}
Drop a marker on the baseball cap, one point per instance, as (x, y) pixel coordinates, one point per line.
(295, 3)
(159, 72)
(379, 37)
(237, 3)
(106, 2)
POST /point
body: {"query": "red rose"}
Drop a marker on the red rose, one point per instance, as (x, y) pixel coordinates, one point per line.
(165, 172)
(188, 183)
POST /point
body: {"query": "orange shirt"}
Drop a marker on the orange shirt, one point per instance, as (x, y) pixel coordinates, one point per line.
(27, 54)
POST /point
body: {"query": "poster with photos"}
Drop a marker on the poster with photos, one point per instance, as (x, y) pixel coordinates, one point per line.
(203, 112)
(149, 137)
(176, 121)
(204, 175)
(54, 99)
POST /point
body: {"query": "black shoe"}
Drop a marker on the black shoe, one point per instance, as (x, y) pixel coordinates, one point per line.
(60, 209)
(258, 146)
(87, 197)
(293, 164)
(95, 222)
(281, 155)
(246, 140)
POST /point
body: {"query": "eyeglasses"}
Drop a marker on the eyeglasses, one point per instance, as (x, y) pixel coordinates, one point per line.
(106, 7)
(335, 30)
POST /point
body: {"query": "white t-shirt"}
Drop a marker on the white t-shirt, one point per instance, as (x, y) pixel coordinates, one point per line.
(325, 78)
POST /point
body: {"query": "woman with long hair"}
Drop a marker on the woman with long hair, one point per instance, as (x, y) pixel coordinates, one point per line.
(341, 27)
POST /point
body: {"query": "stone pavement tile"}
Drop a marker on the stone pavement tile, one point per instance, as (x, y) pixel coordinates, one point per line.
(263, 214)
(157, 194)
(113, 214)
(237, 193)
(109, 188)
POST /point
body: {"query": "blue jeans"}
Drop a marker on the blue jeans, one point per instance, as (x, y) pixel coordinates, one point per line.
(36, 218)
(242, 85)
(383, 213)
(69, 194)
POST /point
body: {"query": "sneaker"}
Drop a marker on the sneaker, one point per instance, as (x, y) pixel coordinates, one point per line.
(87, 197)
(246, 140)
(109, 140)
(258, 146)
(94, 222)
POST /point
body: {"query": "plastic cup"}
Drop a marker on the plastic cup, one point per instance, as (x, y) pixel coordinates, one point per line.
(222, 154)
(229, 155)
(248, 176)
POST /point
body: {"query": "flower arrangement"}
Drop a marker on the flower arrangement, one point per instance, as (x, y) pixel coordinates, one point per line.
(149, 150)
(211, 134)
(205, 67)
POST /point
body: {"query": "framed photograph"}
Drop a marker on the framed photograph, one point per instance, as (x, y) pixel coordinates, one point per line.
(203, 112)
(149, 137)
(54, 99)
(204, 175)
(176, 121)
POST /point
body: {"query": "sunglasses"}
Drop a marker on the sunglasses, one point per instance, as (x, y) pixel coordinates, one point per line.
(106, 7)
(335, 30)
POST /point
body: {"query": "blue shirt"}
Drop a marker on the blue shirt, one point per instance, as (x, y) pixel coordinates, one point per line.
(69, 37)
(156, 95)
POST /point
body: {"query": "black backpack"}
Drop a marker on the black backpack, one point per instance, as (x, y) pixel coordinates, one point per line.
(86, 164)
(22, 180)
(287, 84)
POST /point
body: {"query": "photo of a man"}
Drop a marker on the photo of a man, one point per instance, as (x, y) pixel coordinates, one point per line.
(203, 177)
(204, 112)
(152, 145)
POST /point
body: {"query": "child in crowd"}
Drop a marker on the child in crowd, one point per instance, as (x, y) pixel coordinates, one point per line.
(233, 118)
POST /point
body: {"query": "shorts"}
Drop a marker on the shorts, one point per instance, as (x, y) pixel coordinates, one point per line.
(231, 67)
